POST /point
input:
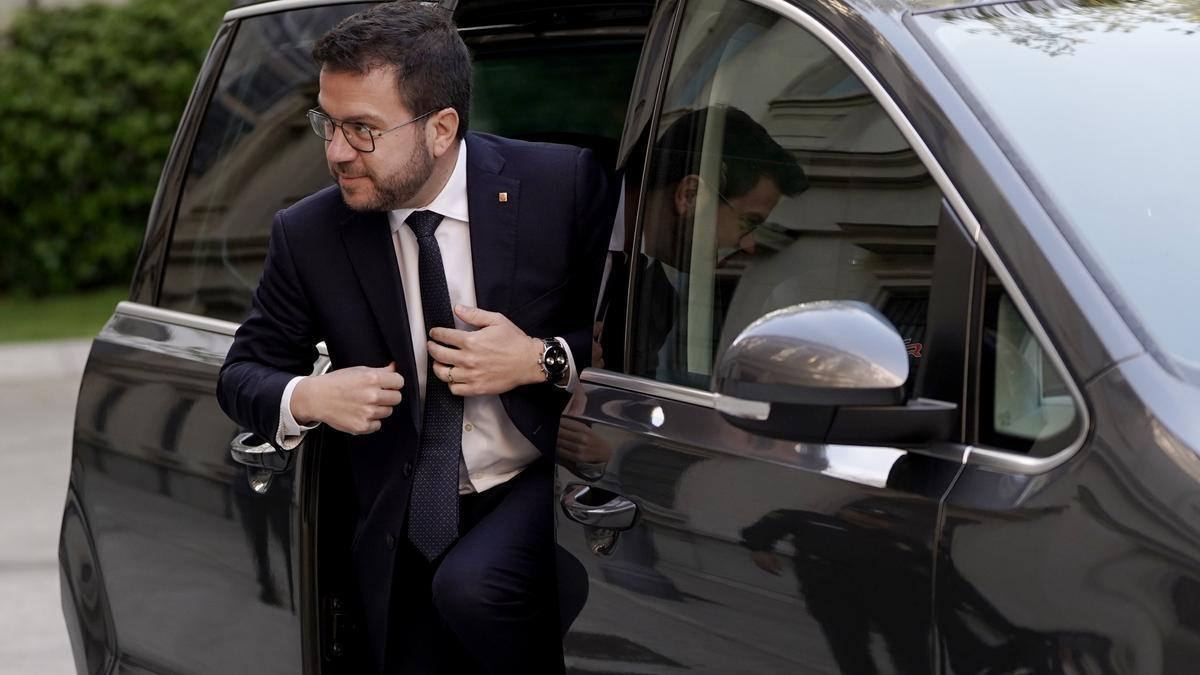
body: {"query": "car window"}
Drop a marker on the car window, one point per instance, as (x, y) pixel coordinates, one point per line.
(1025, 404)
(563, 92)
(775, 178)
(254, 154)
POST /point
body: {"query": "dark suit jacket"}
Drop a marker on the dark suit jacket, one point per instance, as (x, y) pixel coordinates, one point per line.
(331, 274)
(655, 314)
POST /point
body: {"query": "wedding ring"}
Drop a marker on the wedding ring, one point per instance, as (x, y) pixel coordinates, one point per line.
(450, 375)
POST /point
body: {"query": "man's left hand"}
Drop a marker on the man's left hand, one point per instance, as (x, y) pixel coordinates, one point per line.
(496, 358)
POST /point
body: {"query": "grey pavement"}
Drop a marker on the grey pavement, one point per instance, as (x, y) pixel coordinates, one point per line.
(38, 384)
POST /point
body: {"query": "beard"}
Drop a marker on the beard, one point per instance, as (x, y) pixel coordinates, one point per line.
(394, 190)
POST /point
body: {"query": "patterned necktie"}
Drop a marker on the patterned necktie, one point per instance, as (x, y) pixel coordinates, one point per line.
(433, 507)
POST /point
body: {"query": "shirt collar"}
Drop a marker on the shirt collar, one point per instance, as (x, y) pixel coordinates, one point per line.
(451, 202)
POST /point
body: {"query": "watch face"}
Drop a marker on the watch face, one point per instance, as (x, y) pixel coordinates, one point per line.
(555, 360)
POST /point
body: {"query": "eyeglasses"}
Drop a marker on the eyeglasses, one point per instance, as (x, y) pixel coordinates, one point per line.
(747, 222)
(360, 136)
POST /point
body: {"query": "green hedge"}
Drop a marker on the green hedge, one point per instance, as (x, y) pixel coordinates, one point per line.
(89, 100)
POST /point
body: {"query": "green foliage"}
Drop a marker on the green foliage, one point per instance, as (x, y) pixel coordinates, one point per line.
(24, 319)
(89, 100)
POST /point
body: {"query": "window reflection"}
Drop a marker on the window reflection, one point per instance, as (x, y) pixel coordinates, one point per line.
(1027, 405)
(254, 155)
(795, 186)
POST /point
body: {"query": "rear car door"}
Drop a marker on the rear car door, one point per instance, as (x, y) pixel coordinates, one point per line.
(195, 528)
(708, 548)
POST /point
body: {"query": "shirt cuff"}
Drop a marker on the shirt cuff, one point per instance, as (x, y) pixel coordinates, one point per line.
(290, 432)
(572, 381)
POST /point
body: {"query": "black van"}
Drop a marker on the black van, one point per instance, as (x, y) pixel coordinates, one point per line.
(932, 408)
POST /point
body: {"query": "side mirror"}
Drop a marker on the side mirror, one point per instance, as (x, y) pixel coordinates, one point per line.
(826, 372)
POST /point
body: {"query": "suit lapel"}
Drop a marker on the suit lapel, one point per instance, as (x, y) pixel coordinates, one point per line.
(368, 238)
(492, 201)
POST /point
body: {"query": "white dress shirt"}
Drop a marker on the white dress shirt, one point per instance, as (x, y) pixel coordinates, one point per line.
(493, 449)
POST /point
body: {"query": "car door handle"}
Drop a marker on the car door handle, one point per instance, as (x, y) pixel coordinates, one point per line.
(596, 507)
(248, 449)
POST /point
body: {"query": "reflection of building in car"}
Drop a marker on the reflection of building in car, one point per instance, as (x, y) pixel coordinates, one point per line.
(701, 213)
(865, 229)
(221, 242)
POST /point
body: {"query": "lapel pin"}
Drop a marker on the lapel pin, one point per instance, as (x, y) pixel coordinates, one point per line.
(502, 197)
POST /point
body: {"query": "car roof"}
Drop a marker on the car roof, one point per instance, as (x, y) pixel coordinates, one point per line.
(478, 11)
(911, 5)
(485, 12)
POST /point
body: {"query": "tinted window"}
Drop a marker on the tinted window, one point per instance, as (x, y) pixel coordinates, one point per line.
(255, 154)
(1099, 100)
(563, 93)
(775, 178)
(1024, 403)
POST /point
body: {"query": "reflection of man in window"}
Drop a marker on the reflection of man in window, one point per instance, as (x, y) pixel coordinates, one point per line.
(715, 177)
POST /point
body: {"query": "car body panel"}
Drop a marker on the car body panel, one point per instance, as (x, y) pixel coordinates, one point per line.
(1092, 567)
(853, 535)
(173, 519)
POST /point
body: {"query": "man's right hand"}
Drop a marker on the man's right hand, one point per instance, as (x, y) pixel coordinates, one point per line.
(354, 400)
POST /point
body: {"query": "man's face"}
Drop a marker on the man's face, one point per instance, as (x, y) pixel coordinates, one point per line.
(401, 164)
(738, 216)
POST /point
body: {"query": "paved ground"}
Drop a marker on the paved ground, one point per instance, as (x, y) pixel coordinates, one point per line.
(38, 383)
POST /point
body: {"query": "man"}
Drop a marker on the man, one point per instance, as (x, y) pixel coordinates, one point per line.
(752, 172)
(452, 276)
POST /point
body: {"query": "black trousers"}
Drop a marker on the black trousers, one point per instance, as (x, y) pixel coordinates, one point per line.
(489, 604)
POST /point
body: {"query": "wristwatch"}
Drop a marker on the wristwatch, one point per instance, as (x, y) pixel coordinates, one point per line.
(553, 360)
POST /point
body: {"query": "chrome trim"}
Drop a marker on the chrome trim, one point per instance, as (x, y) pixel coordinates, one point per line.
(239, 446)
(260, 481)
(160, 315)
(1007, 461)
(639, 385)
(759, 411)
(610, 31)
(617, 513)
(495, 26)
(157, 314)
(1010, 461)
(280, 6)
(525, 32)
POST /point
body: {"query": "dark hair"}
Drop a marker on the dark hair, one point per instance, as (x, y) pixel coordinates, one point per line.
(747, 154)
(419, 40)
